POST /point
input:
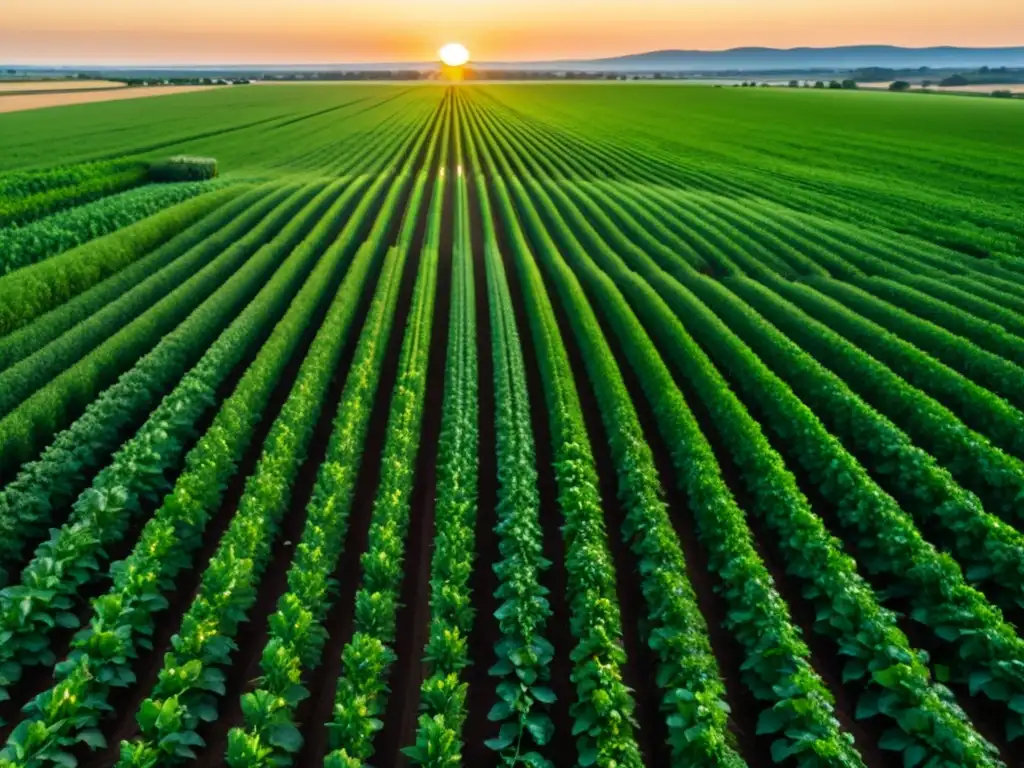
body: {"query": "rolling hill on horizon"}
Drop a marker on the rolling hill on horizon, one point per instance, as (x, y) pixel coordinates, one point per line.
(751, 59)
(839, 57)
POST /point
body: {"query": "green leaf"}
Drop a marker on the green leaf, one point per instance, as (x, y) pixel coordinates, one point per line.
(772, 721)
(914, 756)
(978, 679)
(783, 749)
(204, 710)
(543, 694)
(867, 706)
(540, 727)
(502, 668)
(506, 737)
(285, 736)
(93, 738)
(416, 753)
(895, 740)
(501, 710)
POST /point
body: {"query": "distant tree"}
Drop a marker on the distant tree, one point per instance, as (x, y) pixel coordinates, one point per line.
(1003, 94)
(874, 74)
(983, 70)
(794, 83)
(835, 85)
(899, 85)
(819, 84)
(954, 80)
(850, 85)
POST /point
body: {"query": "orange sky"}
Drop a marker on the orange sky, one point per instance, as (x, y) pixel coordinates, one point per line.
(321, 31)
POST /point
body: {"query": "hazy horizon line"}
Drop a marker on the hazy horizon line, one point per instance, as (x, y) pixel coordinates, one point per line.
(426, 62)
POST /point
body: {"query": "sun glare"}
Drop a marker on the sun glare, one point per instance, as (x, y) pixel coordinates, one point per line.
(454, 54)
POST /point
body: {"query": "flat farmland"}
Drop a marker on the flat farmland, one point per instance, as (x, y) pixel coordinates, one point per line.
(20, 86)
(513, 425)
(16, 101)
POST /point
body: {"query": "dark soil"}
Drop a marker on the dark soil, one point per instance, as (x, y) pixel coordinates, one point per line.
(147, 667)
(38, 679)
(149, 664)
(986, 717)
(824, 653)
(253, 636)
(413, 626)
(640, 670)
(562, 748)
(486, 633)
(754, 749)
(316, 711)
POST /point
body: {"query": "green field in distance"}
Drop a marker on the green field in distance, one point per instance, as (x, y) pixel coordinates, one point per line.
(512, 425)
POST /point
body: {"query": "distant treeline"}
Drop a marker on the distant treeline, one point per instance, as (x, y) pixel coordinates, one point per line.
(986, 76)
(385, 74)
(147, 81)
(942, 77)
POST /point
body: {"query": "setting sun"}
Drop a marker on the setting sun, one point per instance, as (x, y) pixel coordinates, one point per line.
(454, 54)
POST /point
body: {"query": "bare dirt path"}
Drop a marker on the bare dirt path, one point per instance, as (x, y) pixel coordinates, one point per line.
(36, 86)
(19, 102)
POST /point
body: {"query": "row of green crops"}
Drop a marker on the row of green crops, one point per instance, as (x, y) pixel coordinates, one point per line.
(603, 710)
(122, 321)
(523, 654)
(44, 487)
(296, 633)
(123, 621)
(979, 407)
(214, 232)
(803, 714)
(193, 672)
(962, 325)
(955, 751)
(76, 554)
(788, 531)
(56, 404)
(694, 697)
(362, 688)
(931, 609)
(443, 692)
(922, 615)
(35, 290)
(28, 196)
(912, 476)
(977, 464)
(39, 240)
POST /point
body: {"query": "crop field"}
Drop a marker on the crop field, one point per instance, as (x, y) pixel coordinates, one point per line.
(513, 425)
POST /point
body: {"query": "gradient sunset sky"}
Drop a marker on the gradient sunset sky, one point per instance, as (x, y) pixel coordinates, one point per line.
(322, 31)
